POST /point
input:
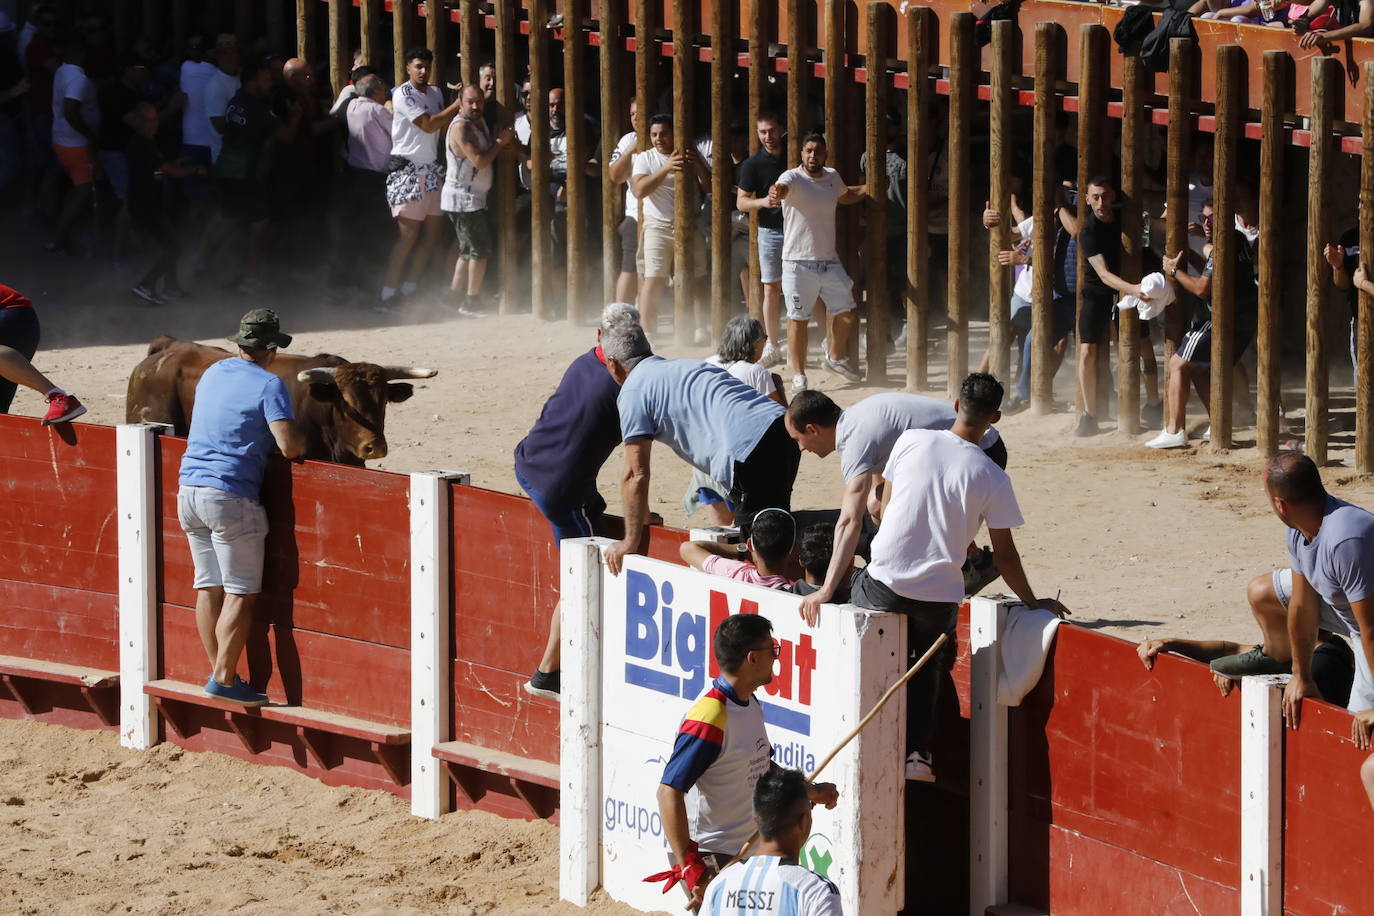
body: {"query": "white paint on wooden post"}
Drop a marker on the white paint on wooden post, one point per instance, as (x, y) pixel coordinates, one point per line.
(1261, 795)
(716, 534)
(136, 495)
(988, 866)
(430, 533)
(579, 758)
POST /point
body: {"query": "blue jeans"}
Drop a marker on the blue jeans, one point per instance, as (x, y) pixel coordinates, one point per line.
(578, 521)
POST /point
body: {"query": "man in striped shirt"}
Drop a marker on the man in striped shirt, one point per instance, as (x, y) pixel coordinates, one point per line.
(772, 881)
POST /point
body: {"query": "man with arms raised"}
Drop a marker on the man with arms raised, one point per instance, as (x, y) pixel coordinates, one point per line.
(771, 880)
(938, 490)
(721, 751)
(864, 435)
(713, 421)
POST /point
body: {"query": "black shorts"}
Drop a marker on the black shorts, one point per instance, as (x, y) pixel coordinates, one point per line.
(1061, 316)
(19, 330)
(244, 200)
(1096, 315)
(1196, 348)
(764, 480)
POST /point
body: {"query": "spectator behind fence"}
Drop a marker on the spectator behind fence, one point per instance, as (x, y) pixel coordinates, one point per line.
(720, 752)
(814, 552)
(558, 460)
(147, 207)
(938, 490)
(622, 161)
(242, 410)
(1326, 22)
(895, 225)
(654, 179)
(1193, 360)
(771, 881)
(19, 334)
(117, 100)
(470, 150)
(75, 122)
(757, 175)
(415, 178)
(714, 422)
(811, 267)
(368, 122)
(197, 136)
(1344, 258)
(221, 86)
(768, 548)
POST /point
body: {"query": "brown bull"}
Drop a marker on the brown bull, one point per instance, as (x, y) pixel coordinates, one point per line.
(340, 406)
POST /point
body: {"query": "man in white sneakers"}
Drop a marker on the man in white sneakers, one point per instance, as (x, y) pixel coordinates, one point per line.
(811, 267)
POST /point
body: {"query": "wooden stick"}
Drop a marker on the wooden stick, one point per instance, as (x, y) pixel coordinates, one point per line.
(723, 62)
(436, 37)
(469, 41)
(1132, 251)
(507, 168)
(574, 105)
(685, 204)
(1364, 328)
(880, 26)
(1277, 66)
(1002, 66)
(1047, 38)
(963, 89)
(1176, 190)
(541, 203)
(1327, 99)
(1230, 112)
(608, 64)
(920, 51)
(369, 17)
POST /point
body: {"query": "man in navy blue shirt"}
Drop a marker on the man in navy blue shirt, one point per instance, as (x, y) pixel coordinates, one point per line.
(557, 464)
(241, 411)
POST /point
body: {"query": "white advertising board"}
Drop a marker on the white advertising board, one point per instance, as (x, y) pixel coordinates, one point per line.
(656, 626)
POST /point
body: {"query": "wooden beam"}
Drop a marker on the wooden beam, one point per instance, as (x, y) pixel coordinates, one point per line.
(436, 39)
(879, 26)
(796, 82)
(1178, 161)
(608, 60)
(1094, 77)
(305, 32)
(757, 77)
(369, 15)
(1048, 66)
(340, 55)
(685, 186)
(723, 57)
(920, 53)
(1268, 353)
(963, 90)
(1230, 112)
(1001, 85)
(1364, 326)
(469, 40)
(400, 38)
(541, 205)
(507, 23)
(1133, 135)
(1327, 100)
(243, 22)
(574, 104)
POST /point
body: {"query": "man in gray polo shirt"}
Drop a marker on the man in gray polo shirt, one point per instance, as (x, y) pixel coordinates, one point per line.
(864, 435)
(713, 421)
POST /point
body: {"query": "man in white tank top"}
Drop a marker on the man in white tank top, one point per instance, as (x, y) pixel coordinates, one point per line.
(470, 150)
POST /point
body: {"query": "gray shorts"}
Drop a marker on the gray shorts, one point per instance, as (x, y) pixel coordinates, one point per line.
(629, 245)
(1343, 623)
(226, 533)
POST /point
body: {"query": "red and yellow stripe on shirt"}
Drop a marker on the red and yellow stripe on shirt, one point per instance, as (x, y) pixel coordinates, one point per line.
(699, 740)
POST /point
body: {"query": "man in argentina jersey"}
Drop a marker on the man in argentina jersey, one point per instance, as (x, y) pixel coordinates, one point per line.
(721, 750)
(771, 881)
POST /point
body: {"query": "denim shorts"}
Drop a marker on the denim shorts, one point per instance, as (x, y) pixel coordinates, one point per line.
(770, 255)
(566, 521)
(1329, 618)
(226, 533)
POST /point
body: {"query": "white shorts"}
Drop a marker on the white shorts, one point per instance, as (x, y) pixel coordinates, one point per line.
(1329, 618)
(226, 533)
(803, 282)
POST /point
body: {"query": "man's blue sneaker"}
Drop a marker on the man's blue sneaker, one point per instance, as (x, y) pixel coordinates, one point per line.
(238, 692)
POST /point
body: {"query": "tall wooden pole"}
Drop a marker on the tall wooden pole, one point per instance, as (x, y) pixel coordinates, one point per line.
(181, 24)
(305, 32)
(400, 38)
(369, 13)
(685, 201)
(243, 21)
(723, 61)
(508, 167)
(646, 66)
(876, 91)
(1179, 154)
(796, 83)
(1048, 35)
(1277, 86)
(1364, 326)
(541, 205)
(920, 53)
(277, 19)
(436, 37)
(963, 89)
(608, 61)
(469, 45)
(759, 65)
(1003, 67)
(1230, 112)
(574, 104)
(1326, 101)
(1133, 133)
(1094, 75)
(838, 112)
(340, 58)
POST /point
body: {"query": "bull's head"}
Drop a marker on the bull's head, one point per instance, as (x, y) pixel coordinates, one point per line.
(357, 394)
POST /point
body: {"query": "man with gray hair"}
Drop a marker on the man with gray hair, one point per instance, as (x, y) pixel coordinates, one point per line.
(557, 462)
(713, 421)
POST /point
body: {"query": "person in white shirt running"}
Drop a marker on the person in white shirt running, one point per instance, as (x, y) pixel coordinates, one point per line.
(811, 267)
(771, 880)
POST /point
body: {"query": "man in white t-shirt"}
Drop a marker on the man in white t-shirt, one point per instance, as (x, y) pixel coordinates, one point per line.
(75, 123)
(219, 88)
(771, 881)
(938, 490)
(197, 140)
(622, 161)
(811, 268)
(470, 150)
(416, 176)
(654, 180)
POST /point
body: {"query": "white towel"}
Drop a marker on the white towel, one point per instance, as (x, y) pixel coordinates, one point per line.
(1025, 643)
(1158, 293)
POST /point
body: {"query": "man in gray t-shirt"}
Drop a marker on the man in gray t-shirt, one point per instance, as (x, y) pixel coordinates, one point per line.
(713, 421)
(864, 435)
(1331, 549)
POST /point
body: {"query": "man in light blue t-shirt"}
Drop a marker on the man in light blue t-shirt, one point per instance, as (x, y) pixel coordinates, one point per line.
(241, 411)
(713, 421)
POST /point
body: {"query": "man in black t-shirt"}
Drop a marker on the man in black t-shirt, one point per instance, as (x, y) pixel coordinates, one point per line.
(757, 174)
(1193, 361)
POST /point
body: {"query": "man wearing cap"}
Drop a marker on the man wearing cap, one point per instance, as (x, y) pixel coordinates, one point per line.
(241, 411)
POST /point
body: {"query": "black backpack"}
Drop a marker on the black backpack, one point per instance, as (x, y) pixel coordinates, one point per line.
(1176, 22)
(1136, 23)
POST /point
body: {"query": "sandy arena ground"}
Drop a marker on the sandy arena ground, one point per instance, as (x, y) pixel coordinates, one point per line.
(1141, 543)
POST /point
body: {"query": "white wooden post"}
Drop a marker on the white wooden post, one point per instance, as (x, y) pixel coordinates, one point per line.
(1261, 795)
(716, 534)
(136, 495)
(430, 533)
(988, 868)
(579, 773)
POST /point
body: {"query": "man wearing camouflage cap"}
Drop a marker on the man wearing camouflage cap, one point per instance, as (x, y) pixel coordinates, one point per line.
(241, 411)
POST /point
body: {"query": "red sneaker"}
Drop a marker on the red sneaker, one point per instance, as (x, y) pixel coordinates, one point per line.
(63, 408)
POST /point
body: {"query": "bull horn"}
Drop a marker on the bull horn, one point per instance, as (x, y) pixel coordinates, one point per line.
(393, 373)
(323, 375)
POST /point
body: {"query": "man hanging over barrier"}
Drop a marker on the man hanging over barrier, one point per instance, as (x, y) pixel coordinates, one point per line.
(242, 410)
(864, 435)
(721, 751)
(713, 421)
(558, 460)
(771, 880)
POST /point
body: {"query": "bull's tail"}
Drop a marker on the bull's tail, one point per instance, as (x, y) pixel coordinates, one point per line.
(160, 343)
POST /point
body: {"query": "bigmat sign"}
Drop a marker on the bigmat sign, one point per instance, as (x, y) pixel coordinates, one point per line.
(657, 620)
